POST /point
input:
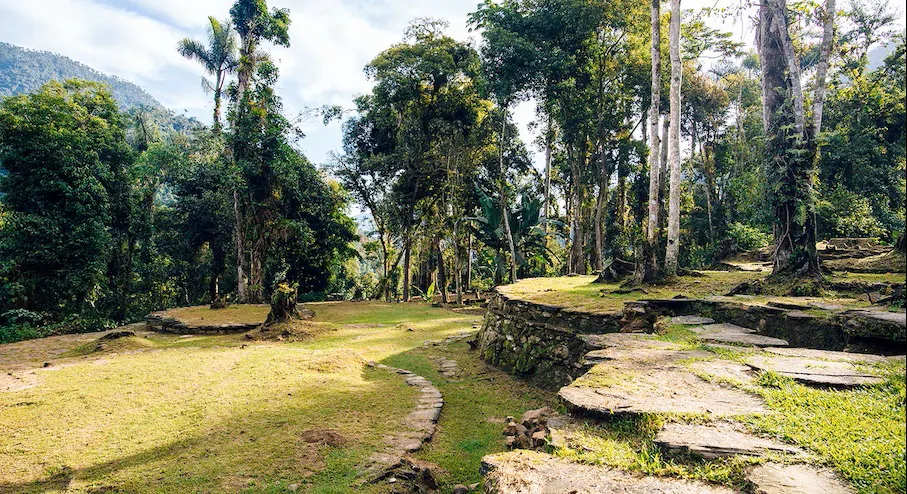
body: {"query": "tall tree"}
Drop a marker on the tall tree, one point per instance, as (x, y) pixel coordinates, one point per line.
(647, 268)
(791, 155)
(673, 246)
(255, 24)
(218, 59)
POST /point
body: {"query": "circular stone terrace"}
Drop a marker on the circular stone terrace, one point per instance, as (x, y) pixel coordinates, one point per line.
(706, 364)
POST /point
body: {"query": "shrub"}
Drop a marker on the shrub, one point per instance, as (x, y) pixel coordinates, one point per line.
(748, 237)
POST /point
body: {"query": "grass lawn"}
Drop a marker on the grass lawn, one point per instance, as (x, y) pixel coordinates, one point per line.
(581, 294)
(160, 413)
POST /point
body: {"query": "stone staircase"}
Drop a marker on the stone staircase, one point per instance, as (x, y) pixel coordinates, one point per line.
(632, 374)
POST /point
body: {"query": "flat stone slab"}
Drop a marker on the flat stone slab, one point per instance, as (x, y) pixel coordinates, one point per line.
(731, 333)
(724, 370)
(828, 355)
(775, 478)
(530, 472)
(899, 318)
(692, 320)
(717, 440)
(659, 391)
(812, 371)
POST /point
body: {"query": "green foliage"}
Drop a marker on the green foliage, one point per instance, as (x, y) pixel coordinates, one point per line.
(65, 154)
(748, 237)
(843, 213)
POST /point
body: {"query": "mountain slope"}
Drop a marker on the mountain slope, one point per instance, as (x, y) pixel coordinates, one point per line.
(23, 70)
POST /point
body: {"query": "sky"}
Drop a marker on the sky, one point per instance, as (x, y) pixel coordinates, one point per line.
(331, 42)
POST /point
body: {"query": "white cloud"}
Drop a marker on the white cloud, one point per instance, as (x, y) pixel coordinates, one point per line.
(331, 42)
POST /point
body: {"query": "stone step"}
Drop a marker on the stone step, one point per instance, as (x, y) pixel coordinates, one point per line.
(867, 358)
(691, 320)
(656, 390)
(717, 440)
(731, 333)
(530, 472)
(814, 372)
(775, 478)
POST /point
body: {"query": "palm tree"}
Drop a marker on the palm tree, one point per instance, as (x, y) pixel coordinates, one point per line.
(219, 59)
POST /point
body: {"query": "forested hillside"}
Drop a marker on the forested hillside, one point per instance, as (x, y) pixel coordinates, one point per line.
(23, 71)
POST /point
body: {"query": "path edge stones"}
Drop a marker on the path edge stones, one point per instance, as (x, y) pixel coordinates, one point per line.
(419, 427)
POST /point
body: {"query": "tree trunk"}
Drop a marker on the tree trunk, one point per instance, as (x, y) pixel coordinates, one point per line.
(673, 247)
(792, 164)
(600, 202)
(647, 264)
(242, 282)
(576, 249)
(549, 138)
(505, 213)
(442, 273)
(664, 175)
(283, 304)
(822, 70)
(406, 267)
(469, 262)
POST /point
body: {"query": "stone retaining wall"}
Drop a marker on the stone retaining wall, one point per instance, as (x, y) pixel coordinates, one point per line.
(161, 322)
(539, 342)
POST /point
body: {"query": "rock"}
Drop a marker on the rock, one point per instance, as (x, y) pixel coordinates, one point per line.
(724, 370)
(731, 333)
(774, 478)
(460, 489)
(781, 304)
(814, 372)
(692, 320)
(115, 335)
(827, 355)
(660, 391)
(525, 472)
(293, 487)
(716, 440)
(534, 417)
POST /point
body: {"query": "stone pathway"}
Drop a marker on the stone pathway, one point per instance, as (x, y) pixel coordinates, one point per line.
(774, 478)
(447, 367)
(530, 472)
(647, 376)
(632, 374)
(812, 371)
(731, 333)
(418, 427)
(717, 440)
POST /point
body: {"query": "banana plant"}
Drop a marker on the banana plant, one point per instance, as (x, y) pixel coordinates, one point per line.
(526, 225)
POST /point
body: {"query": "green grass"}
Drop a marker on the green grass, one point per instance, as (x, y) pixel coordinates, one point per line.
(213, 413)
(578, 292)
(475, 405)
(628, 443)
(860, 432)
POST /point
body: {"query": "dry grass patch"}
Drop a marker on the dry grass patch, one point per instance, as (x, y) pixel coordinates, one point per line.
(232, 314)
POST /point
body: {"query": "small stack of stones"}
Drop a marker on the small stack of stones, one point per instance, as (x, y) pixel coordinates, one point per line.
(531, 432)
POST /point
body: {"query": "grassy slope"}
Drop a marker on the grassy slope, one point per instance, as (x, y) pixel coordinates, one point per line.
(204, 414)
